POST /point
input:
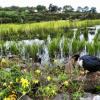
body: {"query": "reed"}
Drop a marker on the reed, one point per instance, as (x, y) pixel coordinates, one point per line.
(41, 30)
(53, 47)
(31, 50)
(91, 49)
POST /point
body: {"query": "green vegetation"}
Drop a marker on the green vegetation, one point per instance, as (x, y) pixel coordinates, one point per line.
(43, 29)
(42, 13)
(21, 75)
(36, 83)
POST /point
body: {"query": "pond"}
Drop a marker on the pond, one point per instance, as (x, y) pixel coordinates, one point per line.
(58, 48)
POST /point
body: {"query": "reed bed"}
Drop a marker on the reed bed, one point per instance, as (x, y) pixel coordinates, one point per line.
(68, 47)
(41, 30)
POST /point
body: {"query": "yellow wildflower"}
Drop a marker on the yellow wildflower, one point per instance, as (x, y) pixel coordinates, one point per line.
(3, 60)
(47, 88)
(13, 92)
(1, 94)
(23, 92)
(11, 83)
(9, 86)
(38, 71)
(48, 78)
(24, 82)
(35, 81)
(66, 83)
(17, 79)
(11, 97)
(4, 84)
(6, 98)
(54, 92)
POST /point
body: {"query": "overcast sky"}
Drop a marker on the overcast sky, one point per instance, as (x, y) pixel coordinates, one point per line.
(74, 3)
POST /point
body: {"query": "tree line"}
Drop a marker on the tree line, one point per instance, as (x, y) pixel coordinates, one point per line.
(39, 13)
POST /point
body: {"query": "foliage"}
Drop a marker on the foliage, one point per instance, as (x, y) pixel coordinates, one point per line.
(39, 13)
(54, 47)
(45, 83)
(43, 29)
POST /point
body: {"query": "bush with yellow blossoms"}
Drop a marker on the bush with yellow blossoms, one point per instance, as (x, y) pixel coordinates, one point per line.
(24, 82)
(46, 82)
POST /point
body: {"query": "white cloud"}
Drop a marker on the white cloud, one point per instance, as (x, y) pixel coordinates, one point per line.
(74, 3)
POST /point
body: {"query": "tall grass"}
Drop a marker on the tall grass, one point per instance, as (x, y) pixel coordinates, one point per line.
(56, 29)
(40, 30)
(68, 46)
(97, 37)
(53, 47)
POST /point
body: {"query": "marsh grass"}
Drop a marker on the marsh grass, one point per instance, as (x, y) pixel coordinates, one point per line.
(97, 37)
(71, 46)
(31, 50)
(41, 30)
(77, 46)
(93, 48)
(56, 29)
(53, 47)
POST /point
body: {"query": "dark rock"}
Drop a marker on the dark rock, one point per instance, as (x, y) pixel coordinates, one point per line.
(89, 96)
(25, 97)
(91, 82)
(62, 97)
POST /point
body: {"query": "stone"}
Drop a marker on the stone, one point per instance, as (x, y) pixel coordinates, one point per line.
(69, 66)
(91, 82)
(25, 97)
(89, 96)
(62, 97)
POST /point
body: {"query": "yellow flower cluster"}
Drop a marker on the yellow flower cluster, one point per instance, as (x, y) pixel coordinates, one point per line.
(11, 97)
(24, 82)
(4, 84)
(35, 81)
(54, 92)
(4, 62)
(17, 80)
(49, 78)
(6, 98)
(38, 71)
(66, 83)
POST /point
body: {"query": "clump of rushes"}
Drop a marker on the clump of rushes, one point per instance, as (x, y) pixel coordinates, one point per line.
(31, 50)
(97, 36)
(14, 48)
(96, 47)
(77, 45)
(84, 31)
(53, 47)
(78, 33)
(65, 47)
(91, 49)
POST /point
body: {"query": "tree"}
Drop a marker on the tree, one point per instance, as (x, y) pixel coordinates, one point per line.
(41, 8)
(79, 9)
(53, 8)
(86, 9)
(59, 9)
(93, 10)
(68, 8)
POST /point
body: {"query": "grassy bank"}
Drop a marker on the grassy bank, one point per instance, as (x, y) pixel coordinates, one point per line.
(41, 30)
